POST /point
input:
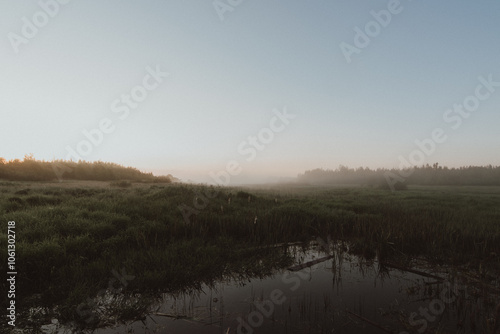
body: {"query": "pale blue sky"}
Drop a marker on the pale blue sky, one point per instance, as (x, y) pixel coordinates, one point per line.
(226, 78)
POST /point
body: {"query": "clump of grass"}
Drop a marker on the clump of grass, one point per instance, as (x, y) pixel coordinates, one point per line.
(10, 207)
(41, 200)
(15, 200)
(398, 186)
(23, 192)
(7, 184)
(243, 194)
(121, 184)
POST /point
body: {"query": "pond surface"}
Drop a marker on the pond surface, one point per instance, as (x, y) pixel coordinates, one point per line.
(333, 292)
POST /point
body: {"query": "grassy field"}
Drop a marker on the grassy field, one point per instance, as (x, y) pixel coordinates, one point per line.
(71, 235)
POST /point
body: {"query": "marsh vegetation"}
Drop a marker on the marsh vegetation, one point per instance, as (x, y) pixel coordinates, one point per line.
(71, 235)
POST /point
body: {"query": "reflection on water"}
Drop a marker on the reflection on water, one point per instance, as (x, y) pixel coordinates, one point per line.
(342, 294)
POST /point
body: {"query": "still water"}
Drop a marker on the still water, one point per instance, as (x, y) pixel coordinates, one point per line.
(334, 292)
(322, 290)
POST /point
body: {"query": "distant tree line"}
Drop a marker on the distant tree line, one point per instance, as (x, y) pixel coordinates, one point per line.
(30, 169)
(423, 175)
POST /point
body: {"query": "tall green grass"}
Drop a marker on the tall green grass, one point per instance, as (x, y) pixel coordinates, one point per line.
(70, 238)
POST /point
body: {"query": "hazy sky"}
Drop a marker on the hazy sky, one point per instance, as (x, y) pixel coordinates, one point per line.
(362, 86)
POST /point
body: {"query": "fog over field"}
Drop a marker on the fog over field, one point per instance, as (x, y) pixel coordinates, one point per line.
(260, 90)
(250, 166)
